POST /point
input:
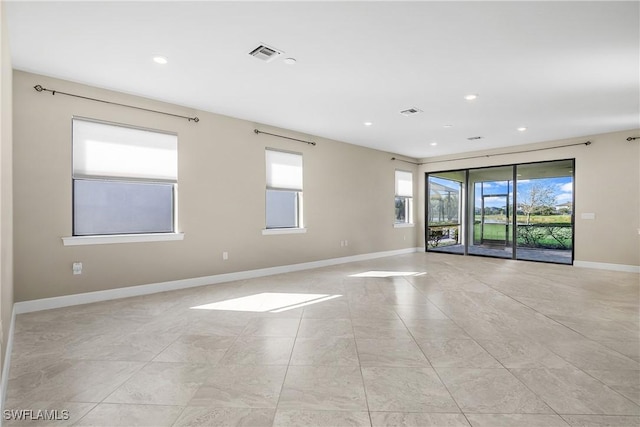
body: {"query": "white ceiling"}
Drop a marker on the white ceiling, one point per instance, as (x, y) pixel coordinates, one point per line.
(562, 69)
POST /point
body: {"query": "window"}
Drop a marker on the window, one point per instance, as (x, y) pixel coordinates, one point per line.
(124, 179)
(404, 197)
(284, 190)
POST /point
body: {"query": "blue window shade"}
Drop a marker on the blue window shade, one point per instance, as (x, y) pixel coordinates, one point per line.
(282, 209)
(117, 207)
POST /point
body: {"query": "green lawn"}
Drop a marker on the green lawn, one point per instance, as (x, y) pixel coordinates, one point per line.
(535, 219)
(491, 232)
(499, 232)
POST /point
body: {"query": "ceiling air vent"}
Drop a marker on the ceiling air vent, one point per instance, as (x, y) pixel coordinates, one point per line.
(410, 111)
(473, 138)
(265, 53)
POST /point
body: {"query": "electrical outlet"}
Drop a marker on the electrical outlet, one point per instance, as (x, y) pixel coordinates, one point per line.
(225, 256)
(77, 268)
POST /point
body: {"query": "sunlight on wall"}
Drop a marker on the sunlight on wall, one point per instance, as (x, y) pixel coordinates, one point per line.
(273, 302)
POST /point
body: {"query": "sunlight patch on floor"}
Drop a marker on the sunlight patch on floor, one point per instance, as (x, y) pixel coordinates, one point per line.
(377, 273)
(273, 302)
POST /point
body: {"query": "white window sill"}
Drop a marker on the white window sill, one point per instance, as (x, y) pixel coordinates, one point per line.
(269, 231)
(120, 238)
(402, 225)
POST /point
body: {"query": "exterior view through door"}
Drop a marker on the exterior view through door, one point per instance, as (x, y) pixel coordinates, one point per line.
(522, 211)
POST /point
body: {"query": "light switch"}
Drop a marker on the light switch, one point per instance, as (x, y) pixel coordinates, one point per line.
(588, 215)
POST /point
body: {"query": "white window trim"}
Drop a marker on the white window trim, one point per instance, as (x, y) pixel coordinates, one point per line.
(76, 240)
(299, 228)
(120, 238)
(403, 224)
(409, 220)
(269, 231)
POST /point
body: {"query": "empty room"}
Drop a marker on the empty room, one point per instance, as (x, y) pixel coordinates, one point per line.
(320, 213)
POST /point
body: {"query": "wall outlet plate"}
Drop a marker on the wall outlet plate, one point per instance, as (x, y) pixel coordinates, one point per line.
(77, 268)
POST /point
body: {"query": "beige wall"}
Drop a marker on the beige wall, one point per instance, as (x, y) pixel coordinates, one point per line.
(6, 199)
(348, 195)
(607, 183)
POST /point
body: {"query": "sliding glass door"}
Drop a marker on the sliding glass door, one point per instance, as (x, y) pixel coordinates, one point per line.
(445, 192)
(545, 211)
(491, 211)
(520, 211)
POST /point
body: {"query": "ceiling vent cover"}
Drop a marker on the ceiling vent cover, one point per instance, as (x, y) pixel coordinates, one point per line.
(473, 138)
(410, 111)
(265, 53)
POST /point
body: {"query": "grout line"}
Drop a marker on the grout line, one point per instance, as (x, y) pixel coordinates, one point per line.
(483, 348)
(427, 358)
(364, 387)
(286, 372)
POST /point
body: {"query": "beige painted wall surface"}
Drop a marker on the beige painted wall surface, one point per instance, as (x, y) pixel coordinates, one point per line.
(607, 183)
(6, 199)
(348, 195)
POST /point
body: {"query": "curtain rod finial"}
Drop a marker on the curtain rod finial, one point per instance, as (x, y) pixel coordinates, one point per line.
(38, 88)
(587, 143)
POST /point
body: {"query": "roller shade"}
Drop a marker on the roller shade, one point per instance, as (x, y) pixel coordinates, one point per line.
(104, 150)
(404, 184)
(284, 170)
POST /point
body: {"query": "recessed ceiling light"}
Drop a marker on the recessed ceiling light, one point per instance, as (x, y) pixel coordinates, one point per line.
(522, 129)
(289, 61)
(448, 126)
(159, 59)
(433, 144)
(471, 96)
(367, 123)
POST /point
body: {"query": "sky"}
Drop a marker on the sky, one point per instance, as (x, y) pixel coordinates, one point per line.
(563, 188)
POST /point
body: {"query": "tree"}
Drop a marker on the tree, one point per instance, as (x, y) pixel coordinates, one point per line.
(538, 196)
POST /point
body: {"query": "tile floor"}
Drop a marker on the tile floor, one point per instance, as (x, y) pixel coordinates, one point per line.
(418, 339)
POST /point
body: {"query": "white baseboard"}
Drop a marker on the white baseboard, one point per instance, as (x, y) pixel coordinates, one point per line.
(7, 362)
(606, 266)
(132, 291)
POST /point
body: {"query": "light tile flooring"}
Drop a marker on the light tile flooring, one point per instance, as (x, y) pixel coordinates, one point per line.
(418, 339)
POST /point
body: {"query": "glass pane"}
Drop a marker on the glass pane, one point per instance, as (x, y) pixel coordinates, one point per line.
(282, 209)
(113, 207)
(544, 198)
(491, 211)
(444, 231)
(404, 210)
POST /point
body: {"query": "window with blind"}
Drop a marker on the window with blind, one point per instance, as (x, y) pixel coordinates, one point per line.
(284, 190)
(124, 179)
(404, 197)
